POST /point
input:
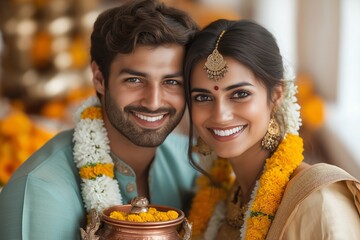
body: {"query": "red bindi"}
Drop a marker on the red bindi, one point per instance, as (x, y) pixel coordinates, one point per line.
(216, 88)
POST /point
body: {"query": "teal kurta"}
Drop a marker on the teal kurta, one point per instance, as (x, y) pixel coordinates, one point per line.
(43, 198)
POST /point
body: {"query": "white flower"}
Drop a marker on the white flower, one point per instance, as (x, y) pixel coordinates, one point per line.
(215, 221)
(243, 228)
(100, 193)
(289, 108)
(91, 147)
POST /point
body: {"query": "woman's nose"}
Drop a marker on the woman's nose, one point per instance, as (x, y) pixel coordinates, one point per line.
(223, 112)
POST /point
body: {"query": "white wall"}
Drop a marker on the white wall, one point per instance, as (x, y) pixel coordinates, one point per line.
(279, 17)
(318, 43)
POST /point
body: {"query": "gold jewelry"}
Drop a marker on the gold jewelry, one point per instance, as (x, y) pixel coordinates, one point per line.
(272, 137)
(236, 208)
(202, 147)
(215, 65)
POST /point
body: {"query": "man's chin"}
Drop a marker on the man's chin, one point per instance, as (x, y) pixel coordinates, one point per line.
(149, 144)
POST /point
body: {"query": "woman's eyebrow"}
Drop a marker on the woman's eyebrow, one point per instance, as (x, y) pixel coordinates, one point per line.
(241, 84)
(200, 90)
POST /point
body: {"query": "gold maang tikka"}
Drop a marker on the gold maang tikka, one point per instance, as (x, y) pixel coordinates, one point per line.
(215, 65)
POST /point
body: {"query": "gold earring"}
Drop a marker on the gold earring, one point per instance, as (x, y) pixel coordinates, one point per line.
(202, 147)
(272, 137)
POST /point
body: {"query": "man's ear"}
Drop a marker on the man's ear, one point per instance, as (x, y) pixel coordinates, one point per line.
(98, 79)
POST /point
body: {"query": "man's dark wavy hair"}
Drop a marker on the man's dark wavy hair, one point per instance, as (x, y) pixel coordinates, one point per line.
(138, 22)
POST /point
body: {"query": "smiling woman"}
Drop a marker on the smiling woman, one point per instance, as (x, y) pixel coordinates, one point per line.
(242, 103)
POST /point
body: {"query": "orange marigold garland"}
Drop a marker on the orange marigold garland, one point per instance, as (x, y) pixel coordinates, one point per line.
(209, 195)
(266, 196)
(271, 186)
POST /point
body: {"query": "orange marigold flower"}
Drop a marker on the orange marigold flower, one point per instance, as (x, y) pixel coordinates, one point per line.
(92, 113)
(134, 218)
(147, 217)
(151, 216)
(172, 214)
(91, 172)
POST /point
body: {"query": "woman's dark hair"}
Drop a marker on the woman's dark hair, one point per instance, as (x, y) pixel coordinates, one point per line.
(146, 22)
(245, 41)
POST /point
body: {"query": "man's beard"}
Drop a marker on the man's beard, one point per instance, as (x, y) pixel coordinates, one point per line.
(137, 135)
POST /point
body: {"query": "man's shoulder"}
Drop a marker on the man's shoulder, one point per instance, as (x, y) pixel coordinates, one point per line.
(54, 154)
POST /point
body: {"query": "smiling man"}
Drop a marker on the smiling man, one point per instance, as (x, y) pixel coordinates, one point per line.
(121, 146)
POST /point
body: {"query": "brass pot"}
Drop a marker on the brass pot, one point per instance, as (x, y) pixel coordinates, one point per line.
(114, 229)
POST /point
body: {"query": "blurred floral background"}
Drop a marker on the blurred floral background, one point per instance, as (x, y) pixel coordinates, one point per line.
(44, 71)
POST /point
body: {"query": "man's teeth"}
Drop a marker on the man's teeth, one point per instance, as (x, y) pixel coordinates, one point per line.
(149, 119)
(228, 132)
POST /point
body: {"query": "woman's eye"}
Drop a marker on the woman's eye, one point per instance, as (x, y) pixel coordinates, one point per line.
(202, 98)
(240, 94)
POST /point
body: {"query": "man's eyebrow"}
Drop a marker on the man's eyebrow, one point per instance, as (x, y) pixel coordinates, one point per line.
(132, 72)
(142, 74)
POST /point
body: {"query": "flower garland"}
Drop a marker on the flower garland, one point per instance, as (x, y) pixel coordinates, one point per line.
(265, 198)
(209, 195)
(270, 188)
(289, 109)
(99, 189)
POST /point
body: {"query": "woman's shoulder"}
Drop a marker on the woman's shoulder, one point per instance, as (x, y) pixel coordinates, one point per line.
(319, 196)
(328, 211)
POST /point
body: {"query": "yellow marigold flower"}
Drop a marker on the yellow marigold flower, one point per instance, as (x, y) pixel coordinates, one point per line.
(161, 217)
(258, 227)
(91, 172)
(206, 198)
(92, 113)
(203, 181)
(15, 124)
(147, 217)
(305, 86)
(134, 218)
(152, 215)
(54, 109)
(221, 171)
(152, 210)
(118, 215)
(172, 214)
(314, 104)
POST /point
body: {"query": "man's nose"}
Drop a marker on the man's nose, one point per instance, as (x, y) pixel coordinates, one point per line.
(153, 97)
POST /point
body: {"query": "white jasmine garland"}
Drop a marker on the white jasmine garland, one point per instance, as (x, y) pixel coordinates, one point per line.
(248, 210)
(289, 108)
(215, 222)
(91, 148)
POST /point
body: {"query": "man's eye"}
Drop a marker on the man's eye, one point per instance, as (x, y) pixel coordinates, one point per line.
(202, 98)
(172, 82)
(133, 80)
